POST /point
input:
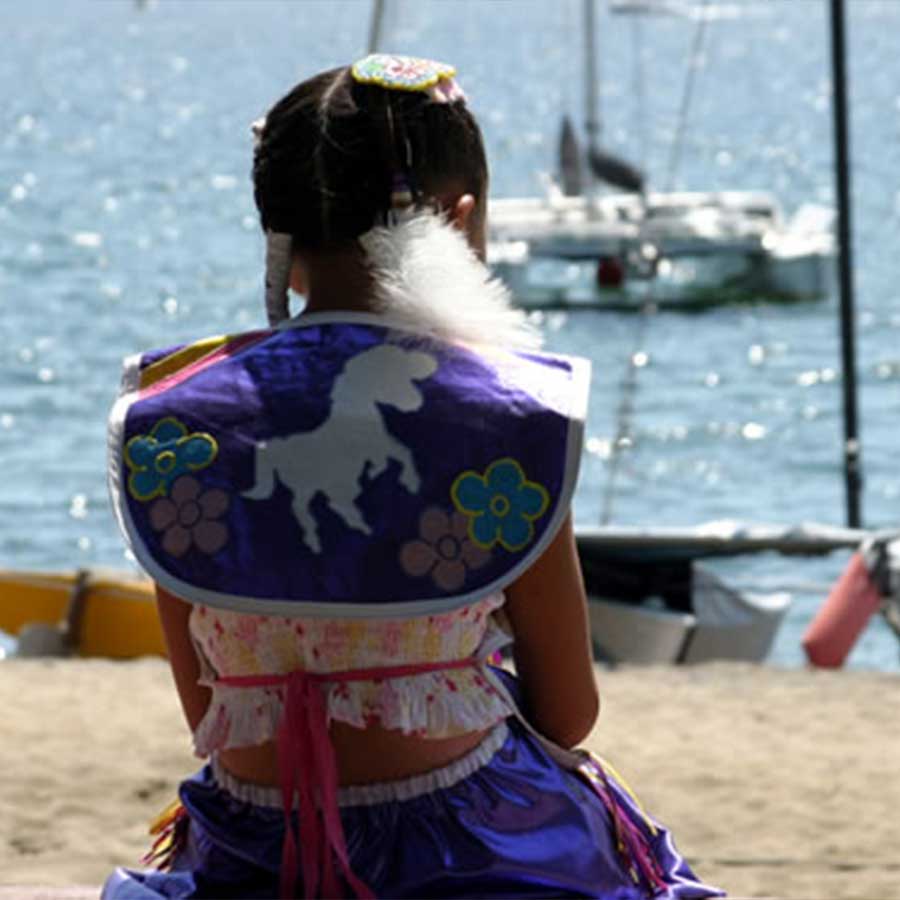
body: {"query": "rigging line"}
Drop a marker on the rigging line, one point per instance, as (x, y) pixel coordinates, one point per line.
(625, 413)
(624, 439)
(687, 94)
(640, 92)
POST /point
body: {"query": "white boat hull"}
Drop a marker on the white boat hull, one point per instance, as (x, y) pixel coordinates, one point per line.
(724, 624)
(676, 249)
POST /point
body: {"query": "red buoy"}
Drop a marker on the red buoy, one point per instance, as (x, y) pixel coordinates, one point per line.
(840, 620)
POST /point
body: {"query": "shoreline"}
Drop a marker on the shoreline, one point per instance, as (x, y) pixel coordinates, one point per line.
(776, 783)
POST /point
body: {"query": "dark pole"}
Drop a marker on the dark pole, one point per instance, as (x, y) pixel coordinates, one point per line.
(852, 455)
(375, 26)
(591, 117)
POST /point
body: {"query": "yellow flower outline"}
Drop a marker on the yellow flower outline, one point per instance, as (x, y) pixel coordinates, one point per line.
(501, 505)
(147, 480)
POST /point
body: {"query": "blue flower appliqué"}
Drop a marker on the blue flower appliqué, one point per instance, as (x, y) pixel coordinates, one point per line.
(501, 504)
(169, 451)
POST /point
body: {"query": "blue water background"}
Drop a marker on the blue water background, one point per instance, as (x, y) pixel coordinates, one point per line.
(127, 222)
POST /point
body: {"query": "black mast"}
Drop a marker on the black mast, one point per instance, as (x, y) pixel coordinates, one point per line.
(852, 454)
(375, 26)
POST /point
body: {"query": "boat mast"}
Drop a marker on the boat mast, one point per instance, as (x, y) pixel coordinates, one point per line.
(604, 166)
(852, 455)
(591, 115)
(375, 26)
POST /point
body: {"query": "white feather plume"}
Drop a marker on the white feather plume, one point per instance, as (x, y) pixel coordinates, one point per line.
(428, 278)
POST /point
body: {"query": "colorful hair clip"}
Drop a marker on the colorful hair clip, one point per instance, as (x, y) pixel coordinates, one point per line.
(409, 73)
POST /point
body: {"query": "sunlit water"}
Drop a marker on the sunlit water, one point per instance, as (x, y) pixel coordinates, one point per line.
(127, 222)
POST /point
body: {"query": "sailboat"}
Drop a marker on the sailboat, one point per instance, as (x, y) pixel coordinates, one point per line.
(580, 245)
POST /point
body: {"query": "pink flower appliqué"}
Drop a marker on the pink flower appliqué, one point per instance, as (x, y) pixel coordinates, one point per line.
(187, 517)
(443, 550)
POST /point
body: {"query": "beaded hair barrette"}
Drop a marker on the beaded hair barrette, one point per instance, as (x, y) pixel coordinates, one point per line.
(409, 73)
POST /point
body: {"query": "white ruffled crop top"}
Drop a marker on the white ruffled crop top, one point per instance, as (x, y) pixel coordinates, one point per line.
(433, 704)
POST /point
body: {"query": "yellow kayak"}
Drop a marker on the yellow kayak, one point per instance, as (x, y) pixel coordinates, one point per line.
(87, 613)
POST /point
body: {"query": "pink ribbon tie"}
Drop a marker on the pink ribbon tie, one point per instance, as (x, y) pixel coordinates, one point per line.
(308, 774)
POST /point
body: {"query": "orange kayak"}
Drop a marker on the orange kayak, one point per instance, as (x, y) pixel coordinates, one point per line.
(104, 613)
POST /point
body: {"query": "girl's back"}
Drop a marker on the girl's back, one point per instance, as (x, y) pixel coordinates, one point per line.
(348, 515)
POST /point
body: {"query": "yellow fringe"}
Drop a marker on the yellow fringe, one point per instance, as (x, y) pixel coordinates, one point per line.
(165, 818)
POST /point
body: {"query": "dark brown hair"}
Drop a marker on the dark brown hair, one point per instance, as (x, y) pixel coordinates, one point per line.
(330, 151)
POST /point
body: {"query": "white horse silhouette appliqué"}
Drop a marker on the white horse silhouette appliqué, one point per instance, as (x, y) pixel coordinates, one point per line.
(351, 440)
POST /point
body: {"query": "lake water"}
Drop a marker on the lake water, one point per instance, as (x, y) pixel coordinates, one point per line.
(127, 222)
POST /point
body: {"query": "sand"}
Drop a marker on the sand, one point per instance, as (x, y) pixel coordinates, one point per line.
(782, 784)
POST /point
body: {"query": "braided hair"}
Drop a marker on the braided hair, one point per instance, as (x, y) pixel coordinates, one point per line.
(330, 152)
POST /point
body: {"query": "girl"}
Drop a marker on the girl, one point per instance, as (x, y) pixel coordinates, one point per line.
(347, 515)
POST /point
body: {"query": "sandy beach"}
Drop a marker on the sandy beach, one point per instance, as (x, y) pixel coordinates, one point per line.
(776, 783)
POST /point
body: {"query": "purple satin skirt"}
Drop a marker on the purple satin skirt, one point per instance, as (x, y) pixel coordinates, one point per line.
(516, 826)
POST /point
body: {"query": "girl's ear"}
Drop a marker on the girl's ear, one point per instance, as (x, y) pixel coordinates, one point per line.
(468, 218)
(461, 211)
